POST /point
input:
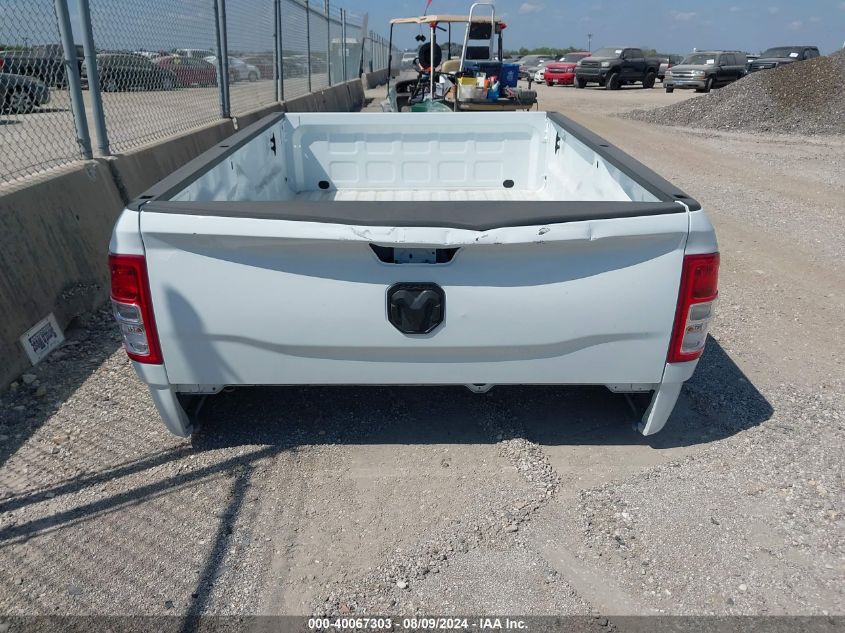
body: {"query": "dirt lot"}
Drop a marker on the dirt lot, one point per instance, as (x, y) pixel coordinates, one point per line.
(531, 500)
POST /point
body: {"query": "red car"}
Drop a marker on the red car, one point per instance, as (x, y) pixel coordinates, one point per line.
(189, 71)
(563, 71)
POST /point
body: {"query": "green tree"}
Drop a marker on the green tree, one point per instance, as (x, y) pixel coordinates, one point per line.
(543, 50)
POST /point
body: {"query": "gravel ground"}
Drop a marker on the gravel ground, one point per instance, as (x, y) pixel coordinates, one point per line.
(526, 500)
(804, 98)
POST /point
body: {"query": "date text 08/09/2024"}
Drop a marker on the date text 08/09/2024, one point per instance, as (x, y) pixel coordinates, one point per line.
(416, 623)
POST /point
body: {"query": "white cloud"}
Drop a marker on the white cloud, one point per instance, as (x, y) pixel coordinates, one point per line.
(842, 5)
(774, 10)
(735, 9)
(530, 7)
(814, 18)
(795, 25)
(684, 16)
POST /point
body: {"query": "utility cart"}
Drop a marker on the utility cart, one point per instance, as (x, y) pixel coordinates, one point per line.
(478, 80)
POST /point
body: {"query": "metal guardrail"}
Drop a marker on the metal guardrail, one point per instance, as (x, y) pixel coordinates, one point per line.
(81, 78)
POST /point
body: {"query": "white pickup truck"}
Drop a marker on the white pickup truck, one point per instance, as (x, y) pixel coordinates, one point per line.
(415, 249)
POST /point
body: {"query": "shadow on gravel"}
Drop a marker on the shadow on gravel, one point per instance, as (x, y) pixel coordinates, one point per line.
(263, 423)
(718, 402)
(89, 342)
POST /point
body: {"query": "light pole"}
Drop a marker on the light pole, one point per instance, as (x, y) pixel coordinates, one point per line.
(589, 42)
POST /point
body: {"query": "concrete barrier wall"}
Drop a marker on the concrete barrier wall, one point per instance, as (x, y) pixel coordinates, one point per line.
(53, 237)
(140, 169)
(55, 228)
(374, 79)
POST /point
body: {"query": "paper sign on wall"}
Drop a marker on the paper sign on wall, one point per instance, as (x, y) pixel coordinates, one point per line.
(42, 338)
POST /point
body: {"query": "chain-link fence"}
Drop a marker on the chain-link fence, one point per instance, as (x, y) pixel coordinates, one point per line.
(126, 74)
(156, 68)
(337, 48)
(251, 28)
(295, 47)
(354, 44)
(37, 129)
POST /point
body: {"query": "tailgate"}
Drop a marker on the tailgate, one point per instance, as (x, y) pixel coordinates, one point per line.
(243, 301)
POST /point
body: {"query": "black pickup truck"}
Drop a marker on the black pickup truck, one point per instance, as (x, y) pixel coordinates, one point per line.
(781, 56)
(617, 67)
(44, 62)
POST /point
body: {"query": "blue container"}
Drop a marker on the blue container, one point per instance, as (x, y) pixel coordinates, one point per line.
(489, 68)
(510, 75)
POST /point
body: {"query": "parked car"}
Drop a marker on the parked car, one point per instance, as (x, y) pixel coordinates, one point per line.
(189, 71)
(124, 71)
(408, 58)
(782, 55)
(211, 292)
(20, 94)
(666, 63)
(706, 70)
(44, 62)
(265, 64)
(562, 72)
(197, 53)
(530, 64)
(295, 66)
(617, 67)
(239, 70)
(152, 55)
(538, 75)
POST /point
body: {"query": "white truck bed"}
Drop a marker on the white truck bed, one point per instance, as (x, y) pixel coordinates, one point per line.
(299, 250)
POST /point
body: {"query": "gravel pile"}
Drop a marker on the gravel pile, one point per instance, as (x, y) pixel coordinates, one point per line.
(802, 98)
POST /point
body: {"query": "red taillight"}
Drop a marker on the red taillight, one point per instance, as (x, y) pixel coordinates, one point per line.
(133, 309)
(696, 300)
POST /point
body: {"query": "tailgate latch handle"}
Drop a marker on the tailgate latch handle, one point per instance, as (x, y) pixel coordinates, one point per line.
(415, 308)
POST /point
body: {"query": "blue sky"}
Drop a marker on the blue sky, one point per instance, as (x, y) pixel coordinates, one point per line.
(668, 25)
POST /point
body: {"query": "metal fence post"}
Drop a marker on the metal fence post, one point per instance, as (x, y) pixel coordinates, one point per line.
(223, 57)
(74, 85)
(328, 42)
(221, 88)
(343, 43)
(280, 54)
(92, 72)
(374, 51)
(308, 41)
(276, 60)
